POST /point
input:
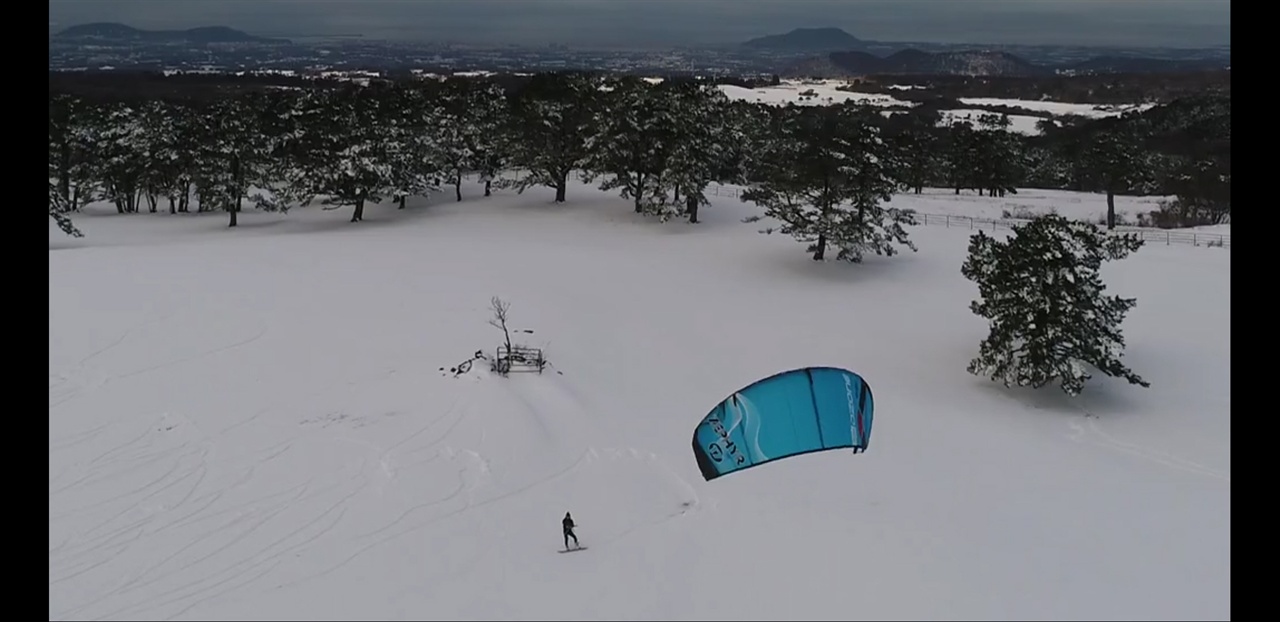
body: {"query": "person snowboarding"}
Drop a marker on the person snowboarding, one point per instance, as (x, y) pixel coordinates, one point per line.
(568, 525)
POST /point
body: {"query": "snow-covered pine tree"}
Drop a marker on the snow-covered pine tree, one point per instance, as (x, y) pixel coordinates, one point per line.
(278, 177)
(181, 156)
(413, 153)
(998, 164)
(63, 110)
(160, 131)
(237, 152)
(58, 208)
(119, 141)
(554, 114)
(633, 138)
(1042, 294)
(915, 143)
(1114, 161)
(59, 201)
(344, 156)
(1044, 169)
(84, 178)
(960, 154)
(490, 143)
(466, 114)
(1202, 186)
(450, 115)
(824, 177)
(706, 143)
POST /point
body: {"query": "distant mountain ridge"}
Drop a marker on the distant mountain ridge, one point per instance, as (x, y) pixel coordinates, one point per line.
(807, 40)
(976, 63)
(115, 32)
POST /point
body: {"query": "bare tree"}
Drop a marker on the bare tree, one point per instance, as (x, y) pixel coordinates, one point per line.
(500, 309)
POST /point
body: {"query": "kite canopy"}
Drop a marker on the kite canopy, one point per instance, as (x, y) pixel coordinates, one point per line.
(787, 414)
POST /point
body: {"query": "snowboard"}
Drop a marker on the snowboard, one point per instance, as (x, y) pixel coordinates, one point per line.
(576, 548)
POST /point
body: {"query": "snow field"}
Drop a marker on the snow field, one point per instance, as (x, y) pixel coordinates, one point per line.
(253, 424)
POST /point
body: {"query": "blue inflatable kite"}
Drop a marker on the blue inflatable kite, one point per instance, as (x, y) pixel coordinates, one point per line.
(795, 412)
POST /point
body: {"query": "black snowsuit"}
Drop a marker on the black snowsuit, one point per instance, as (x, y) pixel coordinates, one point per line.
(567, 523)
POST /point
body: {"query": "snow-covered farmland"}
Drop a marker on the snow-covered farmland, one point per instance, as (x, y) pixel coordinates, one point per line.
(808, 93)
(1021, 124)
(825, 92)
(1057, 108)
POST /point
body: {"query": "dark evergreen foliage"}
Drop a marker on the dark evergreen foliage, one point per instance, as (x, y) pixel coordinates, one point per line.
(824, 175)
(1042, 293)
(214, 141)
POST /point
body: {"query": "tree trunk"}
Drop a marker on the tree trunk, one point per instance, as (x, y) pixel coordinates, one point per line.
(957, 189)
(237, 176)
(562, 185)
(457, 186)
(401, 200)
(359, 213)
(676, 193)
(235, 209)
(173, 205)
(691, 206)
(638, 192)
(151, 202)
(487, 184)
(821, 252)
(919, 189)
(1111, 210)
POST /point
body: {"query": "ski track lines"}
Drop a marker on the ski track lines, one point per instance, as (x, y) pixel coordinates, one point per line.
(60, 394)
(558, 447)
(162, 484)
(1089, 431)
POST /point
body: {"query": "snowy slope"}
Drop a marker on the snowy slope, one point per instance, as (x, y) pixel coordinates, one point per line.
(252, 424)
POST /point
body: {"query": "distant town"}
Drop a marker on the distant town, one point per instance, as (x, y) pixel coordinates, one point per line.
(819, 53)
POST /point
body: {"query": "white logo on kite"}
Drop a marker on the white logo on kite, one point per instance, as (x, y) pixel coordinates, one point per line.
(853, 409)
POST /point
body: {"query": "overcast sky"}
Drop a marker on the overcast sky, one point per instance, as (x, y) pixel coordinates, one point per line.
(1177, 23)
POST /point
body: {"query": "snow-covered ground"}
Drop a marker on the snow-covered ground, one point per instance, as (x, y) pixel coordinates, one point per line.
(252, 423)
(823, 93)
(1031, 202)
(1057, 108)
(1021, 124)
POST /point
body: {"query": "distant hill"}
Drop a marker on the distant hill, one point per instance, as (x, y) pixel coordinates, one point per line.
(974, 63)
(113, 32)
(807, 40)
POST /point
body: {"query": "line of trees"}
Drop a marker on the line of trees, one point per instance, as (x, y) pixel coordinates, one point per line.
(659, 145)
(823, 172)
